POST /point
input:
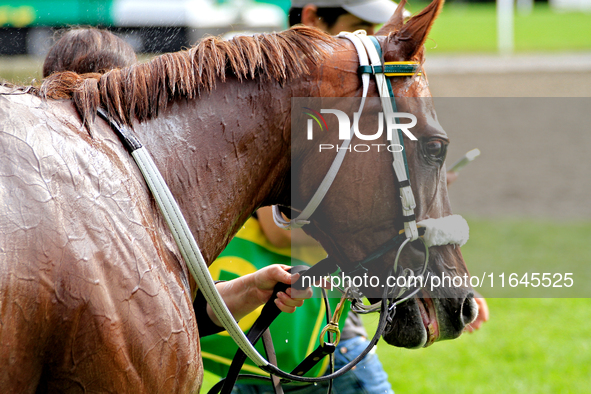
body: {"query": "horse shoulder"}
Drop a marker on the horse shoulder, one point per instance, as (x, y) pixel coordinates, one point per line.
(88, 284)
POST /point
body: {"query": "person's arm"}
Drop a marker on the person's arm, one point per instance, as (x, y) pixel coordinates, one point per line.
(451, 177)
(246, 293)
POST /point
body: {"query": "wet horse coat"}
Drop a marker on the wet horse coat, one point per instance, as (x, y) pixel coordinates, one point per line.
(88, 270)
(94, 296)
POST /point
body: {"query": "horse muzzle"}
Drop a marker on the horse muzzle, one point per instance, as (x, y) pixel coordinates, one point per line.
(437, 312)
(420, 322)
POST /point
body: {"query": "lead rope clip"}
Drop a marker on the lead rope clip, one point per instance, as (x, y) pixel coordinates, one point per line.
(333, 325)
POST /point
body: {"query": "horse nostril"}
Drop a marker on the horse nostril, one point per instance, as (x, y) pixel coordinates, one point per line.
(469, 310)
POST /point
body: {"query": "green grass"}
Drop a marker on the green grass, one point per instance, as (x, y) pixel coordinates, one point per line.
(520, 246)
(465, 27)
(528, 346)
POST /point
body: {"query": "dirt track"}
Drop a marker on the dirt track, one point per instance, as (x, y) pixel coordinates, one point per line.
(534, 84)
(535, 157)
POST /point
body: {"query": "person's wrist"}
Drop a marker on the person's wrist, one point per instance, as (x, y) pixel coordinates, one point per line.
(250, 298)
(244, 296)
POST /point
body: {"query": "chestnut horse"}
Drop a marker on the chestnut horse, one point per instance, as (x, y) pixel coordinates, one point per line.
(94, 295)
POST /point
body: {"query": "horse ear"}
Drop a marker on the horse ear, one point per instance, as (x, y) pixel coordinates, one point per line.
(395, 22)
(409, 39)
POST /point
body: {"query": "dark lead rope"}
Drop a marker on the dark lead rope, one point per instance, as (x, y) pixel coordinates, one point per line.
(264, 320)
(381, 326)
(385, 312)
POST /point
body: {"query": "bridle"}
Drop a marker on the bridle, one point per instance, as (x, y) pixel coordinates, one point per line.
(368, 45)
(412, 232)
(370, 62)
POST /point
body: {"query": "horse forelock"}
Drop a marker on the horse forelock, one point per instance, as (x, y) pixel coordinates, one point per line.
(141, 91)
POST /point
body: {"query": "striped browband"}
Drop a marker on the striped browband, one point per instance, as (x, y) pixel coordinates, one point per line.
(393, 69)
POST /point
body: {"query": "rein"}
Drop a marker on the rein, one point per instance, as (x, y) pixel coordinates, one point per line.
(387, 306)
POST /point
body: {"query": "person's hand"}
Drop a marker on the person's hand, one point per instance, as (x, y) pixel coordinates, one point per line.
(451, 177)
(265, 281)
(482, 314)
(243, 295)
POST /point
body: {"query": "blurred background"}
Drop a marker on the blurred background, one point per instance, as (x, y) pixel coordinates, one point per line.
(547, 36)
(526, 197)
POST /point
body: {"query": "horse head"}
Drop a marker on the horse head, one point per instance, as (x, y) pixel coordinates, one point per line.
(362, 210)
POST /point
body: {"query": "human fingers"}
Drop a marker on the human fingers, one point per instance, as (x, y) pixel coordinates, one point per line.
(300, 294)
(475, 325)
(288, 300)
(287, 304)
(451, 177)
(483, 315)
(284, 308)
(483, 312)
(266, 278)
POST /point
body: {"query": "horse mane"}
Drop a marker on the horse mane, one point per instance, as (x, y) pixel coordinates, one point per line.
(141, 91)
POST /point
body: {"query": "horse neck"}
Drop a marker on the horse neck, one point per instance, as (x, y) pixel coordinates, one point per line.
(223, 155)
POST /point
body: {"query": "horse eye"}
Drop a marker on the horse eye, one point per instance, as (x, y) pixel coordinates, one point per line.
(435, 149)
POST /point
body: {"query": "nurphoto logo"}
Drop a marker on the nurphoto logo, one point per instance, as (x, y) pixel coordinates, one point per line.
(318, 122)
